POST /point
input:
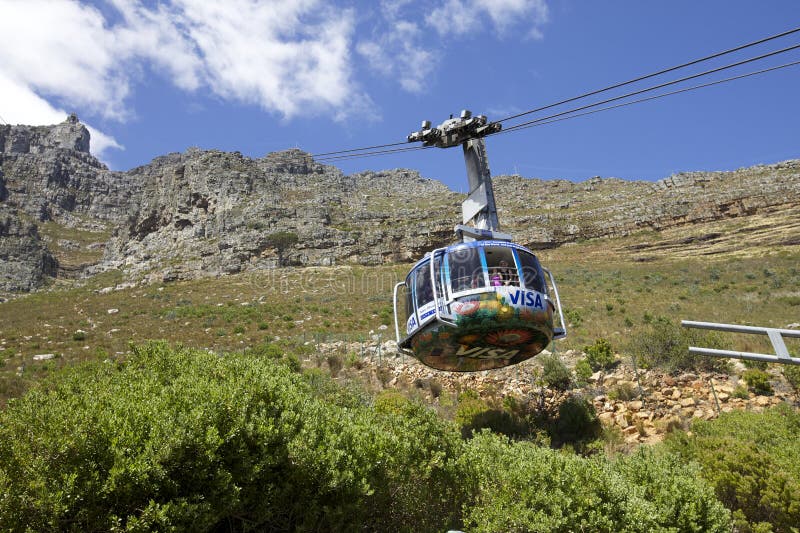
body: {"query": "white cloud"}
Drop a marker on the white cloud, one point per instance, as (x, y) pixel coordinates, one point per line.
(408, 52)
(399, 53)
(291, 57)
(459, 17)
(287, 56)
(62, 50)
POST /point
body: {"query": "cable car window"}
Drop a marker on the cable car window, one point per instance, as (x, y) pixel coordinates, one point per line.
(502, 268)
(437, 274)
(466, 271)
(408, 295)
(532, 273)
(424, 291)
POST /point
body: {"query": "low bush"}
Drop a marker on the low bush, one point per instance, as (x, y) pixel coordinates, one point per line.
(187, 440)
(740, 392)
(555, 373)
(792, 375)
(522, 487)
(624, 391)
(664, 344)
(577, 423)
(753, 462)
(599, 355)
(583, 371)
(179, 439)
(757, 381)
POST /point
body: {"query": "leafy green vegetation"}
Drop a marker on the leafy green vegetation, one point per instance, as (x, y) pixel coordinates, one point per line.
(753, 462)
(190, 440)
(665, 344)
(181, 439)
(758, 381)
(792, 375)
(555, 373)
(521, 487)
(599, 355)
(281, 241)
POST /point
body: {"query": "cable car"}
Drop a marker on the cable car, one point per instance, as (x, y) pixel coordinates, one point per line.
(483, 303)
(478, 306)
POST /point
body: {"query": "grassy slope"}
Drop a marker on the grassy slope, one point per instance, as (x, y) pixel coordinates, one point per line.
(729, 271)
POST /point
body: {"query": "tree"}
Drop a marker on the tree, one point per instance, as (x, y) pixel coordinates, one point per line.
(281, 241)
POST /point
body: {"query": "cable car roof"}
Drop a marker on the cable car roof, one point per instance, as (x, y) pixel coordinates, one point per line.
(475, 244)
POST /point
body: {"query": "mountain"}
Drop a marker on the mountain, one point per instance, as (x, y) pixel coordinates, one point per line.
(65, 215)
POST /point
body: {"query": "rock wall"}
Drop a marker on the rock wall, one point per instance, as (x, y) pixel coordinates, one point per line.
(211, 213)
(25, 260)
(51, 176)
(561, 211)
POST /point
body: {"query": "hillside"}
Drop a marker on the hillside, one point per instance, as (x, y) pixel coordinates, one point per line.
(205, 213)
(259, 265)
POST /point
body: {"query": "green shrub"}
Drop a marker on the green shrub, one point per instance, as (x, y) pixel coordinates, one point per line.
(269, 350)
(753, 462)
(79, 335)
(577, 422)
(760, 365)
(757, 381)
(583, 371)
(335, 364)
(555, 373)
(665, 345)
(624, 390)
(469, 406)
(187, 440)
(180, 439)
(522, 487)
(740, 392)
(600, 355)
(391, 402)
(574, 317)
(792, 375)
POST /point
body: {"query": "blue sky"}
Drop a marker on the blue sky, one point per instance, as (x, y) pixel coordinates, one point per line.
(259, 76)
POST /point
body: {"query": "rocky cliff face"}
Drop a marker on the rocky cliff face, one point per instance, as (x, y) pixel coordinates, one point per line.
(214, 213)
(565, 211)
(51, 176)
(210, 213)
(24, 258)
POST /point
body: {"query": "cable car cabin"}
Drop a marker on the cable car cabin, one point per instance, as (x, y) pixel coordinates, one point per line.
(477, 306)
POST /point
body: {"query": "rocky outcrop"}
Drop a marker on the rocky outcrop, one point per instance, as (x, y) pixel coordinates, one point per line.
(25, 260)
(642, 405)
(69, 135)
(214, 213)
(211, 213)
(559, 211)
(51, 176)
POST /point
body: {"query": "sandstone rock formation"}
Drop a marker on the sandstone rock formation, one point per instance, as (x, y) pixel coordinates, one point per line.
(210, 213)
(24, 258)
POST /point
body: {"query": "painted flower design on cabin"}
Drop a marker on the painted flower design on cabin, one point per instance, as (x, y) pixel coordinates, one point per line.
(466, 308)
(508, 337)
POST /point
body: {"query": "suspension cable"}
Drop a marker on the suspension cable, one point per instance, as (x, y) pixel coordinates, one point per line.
(545, 120)
(653, 88)
(654, 74)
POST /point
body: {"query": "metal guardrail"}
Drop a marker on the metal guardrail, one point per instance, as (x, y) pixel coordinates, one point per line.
(775, 335)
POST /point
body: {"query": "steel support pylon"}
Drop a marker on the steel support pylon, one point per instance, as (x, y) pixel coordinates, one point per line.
(480, 183)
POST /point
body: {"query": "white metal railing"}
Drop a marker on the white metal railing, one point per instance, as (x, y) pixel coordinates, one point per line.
(775, 335)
